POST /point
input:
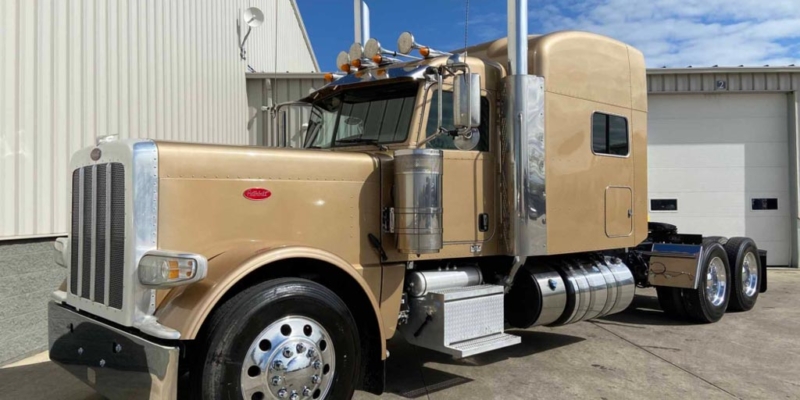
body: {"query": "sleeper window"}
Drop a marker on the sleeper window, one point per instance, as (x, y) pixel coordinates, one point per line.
(609, 134)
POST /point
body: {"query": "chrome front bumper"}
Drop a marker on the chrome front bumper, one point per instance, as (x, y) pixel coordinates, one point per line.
(118, 364)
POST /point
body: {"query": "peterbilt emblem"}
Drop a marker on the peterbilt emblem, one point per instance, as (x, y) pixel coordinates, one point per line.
(256, 194)
(95, 154)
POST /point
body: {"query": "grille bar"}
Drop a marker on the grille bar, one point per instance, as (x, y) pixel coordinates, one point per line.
(76, 203)
(100, 238)
(98, 233)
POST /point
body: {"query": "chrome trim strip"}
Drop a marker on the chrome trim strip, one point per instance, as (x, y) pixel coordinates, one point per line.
(107, 239)
(80, 230)
(145, 223)
(93, 227)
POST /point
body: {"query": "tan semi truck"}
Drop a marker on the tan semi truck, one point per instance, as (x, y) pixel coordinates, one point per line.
(444, 199)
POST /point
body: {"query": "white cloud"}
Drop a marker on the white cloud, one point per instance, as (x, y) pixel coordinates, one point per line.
(679, 33)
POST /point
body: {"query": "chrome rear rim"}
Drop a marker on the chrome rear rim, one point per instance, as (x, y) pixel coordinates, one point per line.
(292, 359)
(716, 282)
(749, 275)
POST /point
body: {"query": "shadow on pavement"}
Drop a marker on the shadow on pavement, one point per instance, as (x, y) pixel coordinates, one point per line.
(407, 375)
(644, 310)
(43, 381)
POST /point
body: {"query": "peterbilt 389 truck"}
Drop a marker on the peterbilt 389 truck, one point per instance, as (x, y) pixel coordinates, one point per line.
(445, 198)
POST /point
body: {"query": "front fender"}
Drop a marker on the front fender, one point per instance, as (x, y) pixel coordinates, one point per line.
(186, 308)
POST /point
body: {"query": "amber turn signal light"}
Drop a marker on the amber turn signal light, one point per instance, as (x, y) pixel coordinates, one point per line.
(424, 51)
(356, 63)
(328, 77)
(377, 58)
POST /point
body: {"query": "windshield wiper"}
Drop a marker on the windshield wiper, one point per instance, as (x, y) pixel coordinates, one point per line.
(357, 139)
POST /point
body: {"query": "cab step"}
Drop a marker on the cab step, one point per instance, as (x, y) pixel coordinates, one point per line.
(482, 345)
(462, 321)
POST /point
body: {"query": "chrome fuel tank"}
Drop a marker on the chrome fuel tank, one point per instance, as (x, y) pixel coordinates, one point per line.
(568, 290)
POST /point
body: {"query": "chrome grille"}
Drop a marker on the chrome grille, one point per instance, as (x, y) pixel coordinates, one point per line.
(98, 233)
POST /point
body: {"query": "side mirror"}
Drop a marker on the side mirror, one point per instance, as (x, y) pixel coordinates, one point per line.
(467, 101)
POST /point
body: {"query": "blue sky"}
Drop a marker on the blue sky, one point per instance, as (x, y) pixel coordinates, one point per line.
(675, 33)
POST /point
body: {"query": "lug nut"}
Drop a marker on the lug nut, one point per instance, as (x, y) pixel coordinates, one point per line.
(315, 379)
(306, 391)
(294, 396)
(282, 393)
(300, 348)
(80, 351)
(277, 365)
(117, 348)
(317, 364)
(276, 380)
(102, 363)
(311, 353)
(287, 352)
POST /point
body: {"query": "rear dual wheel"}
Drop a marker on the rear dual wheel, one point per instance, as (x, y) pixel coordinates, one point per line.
(709, 301)
(743, 254)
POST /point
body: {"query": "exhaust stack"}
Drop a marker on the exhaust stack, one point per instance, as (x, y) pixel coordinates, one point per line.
(361, 19)
(518, 37)
(524, 158)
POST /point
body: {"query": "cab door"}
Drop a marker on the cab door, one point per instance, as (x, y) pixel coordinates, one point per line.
(468, 179)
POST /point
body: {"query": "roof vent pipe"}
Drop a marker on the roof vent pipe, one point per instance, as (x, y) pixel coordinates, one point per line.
(517, 37)
(361, 19)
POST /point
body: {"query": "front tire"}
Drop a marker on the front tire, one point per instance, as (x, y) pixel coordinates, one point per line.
(280, 338)
(708, 302)
(746, 266)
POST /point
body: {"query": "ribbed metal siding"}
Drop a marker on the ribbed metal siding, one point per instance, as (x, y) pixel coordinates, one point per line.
(266, 131)
(706, 82)
(98, 233)
(74, 70)
(293, 50)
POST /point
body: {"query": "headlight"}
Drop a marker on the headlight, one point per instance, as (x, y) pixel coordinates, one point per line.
(161, 269)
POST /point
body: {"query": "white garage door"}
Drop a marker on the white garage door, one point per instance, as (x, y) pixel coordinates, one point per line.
(719, 166)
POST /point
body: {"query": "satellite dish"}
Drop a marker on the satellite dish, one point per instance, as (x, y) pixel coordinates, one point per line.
(468, 140)
(253, 17)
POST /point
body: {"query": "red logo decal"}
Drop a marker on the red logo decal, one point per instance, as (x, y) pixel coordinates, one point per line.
(256, 194)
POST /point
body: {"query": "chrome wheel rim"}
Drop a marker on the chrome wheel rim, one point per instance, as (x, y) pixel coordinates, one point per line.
(716, 282)
(749, 275)
(292, 359)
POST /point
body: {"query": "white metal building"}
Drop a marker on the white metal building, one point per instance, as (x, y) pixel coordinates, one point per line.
(722, 149)
(72, 71)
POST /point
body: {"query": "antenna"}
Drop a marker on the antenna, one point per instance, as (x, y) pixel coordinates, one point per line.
(466, 28)
(253, 17)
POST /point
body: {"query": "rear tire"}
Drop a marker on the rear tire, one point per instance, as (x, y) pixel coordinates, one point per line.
(671, 302)
(746, 268)
(293, 330)
(709, 301)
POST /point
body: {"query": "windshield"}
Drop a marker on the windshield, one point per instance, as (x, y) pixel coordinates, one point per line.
(370, 115)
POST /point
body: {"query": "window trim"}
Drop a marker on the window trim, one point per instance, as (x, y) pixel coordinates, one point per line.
(591, 134)
(650, 205)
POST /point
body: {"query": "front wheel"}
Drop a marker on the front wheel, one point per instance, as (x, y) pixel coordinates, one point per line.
(708, 302)
(286, 338)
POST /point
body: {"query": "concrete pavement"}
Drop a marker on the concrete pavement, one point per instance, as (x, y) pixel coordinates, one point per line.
(635, 354)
